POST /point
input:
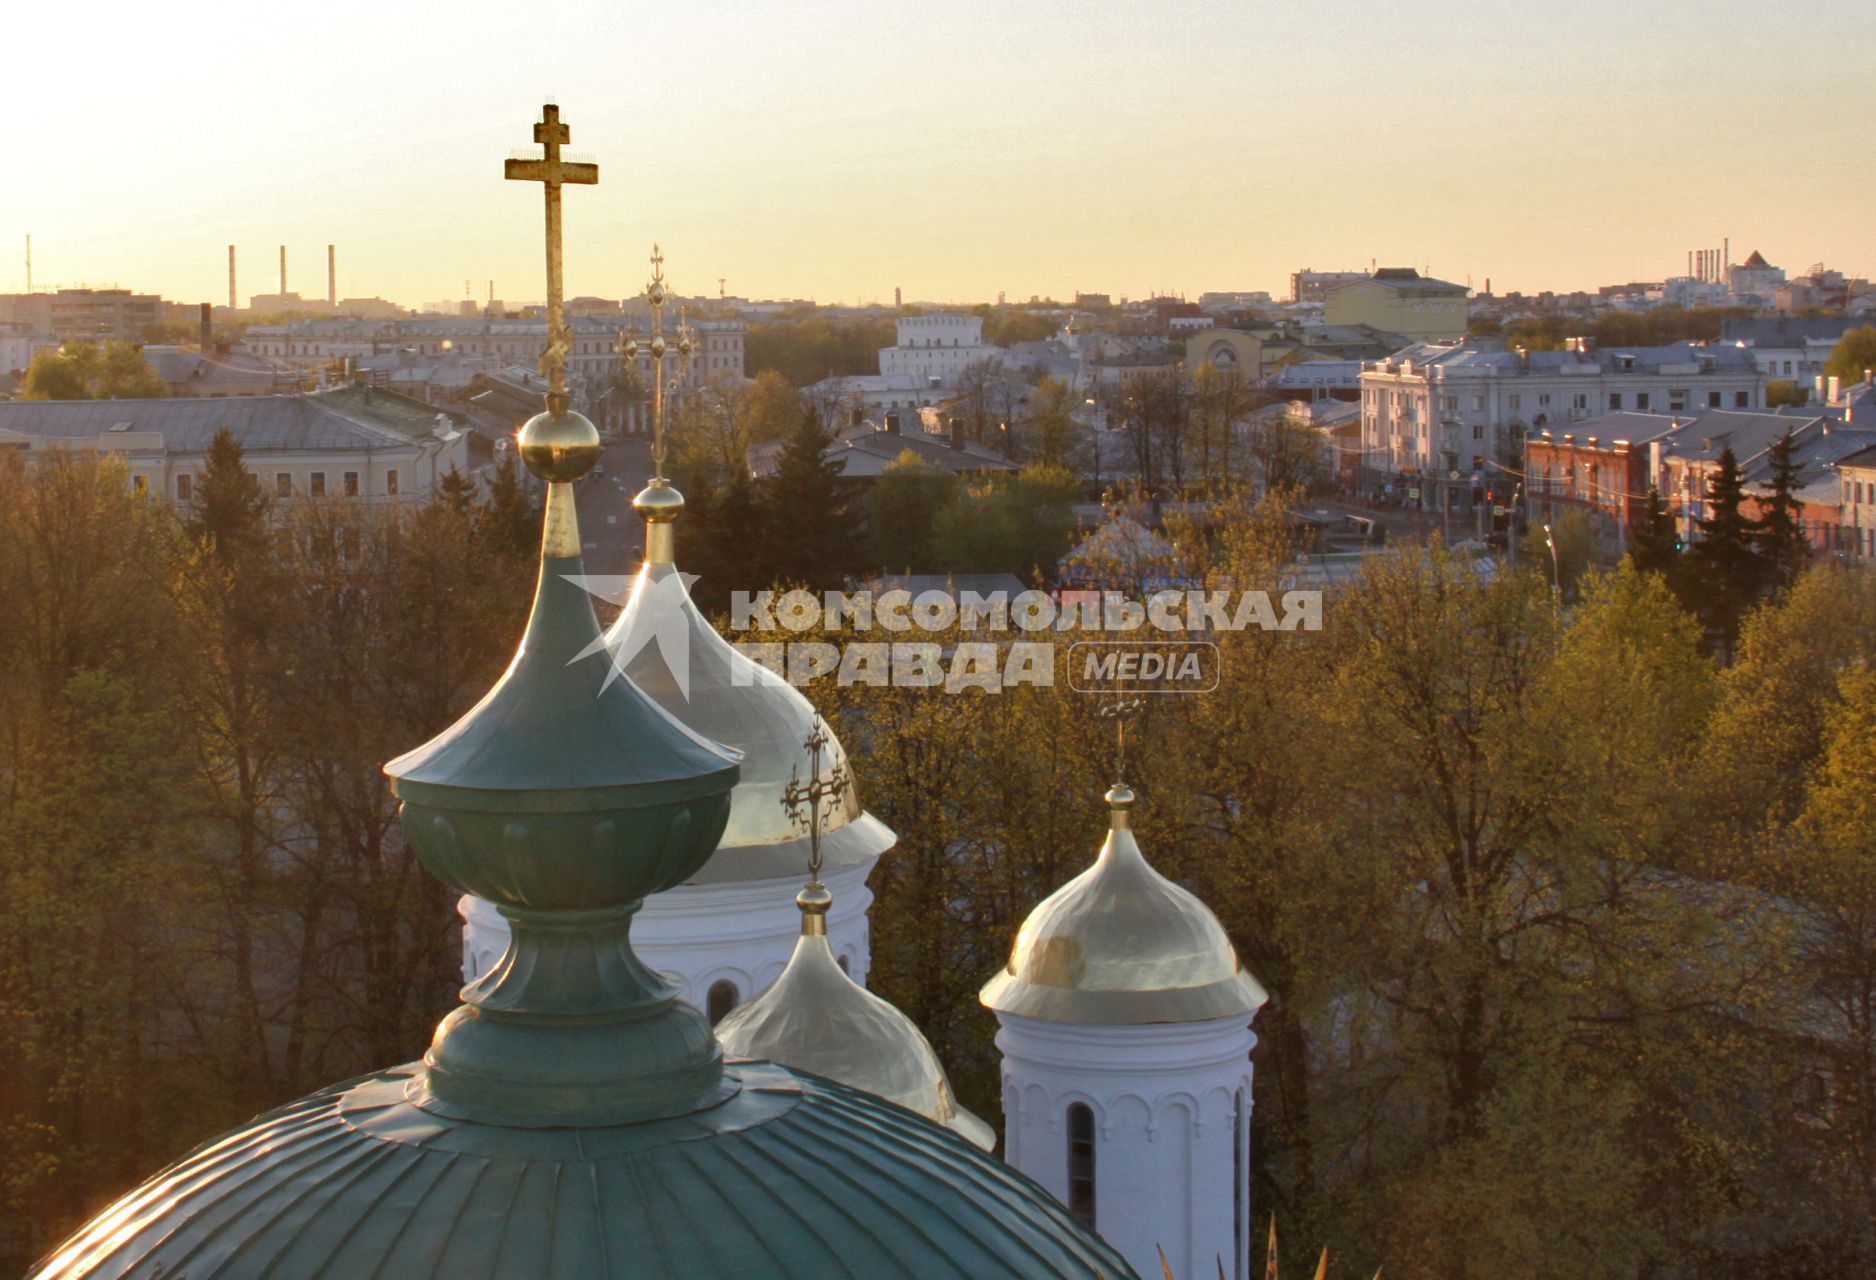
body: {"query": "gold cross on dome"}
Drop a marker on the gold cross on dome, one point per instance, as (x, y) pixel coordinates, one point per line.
(551, 172)
(1120, 712)
(805, 801)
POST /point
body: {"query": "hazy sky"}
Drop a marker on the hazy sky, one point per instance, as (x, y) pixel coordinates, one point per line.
(835, 150)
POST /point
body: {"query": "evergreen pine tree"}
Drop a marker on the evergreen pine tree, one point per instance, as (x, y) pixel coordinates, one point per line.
(229, 509)
(813, 528)
(507, 523)
(1781, 541)
(456, 491)
(724, 540)
(1727, 571)
(1654, 542)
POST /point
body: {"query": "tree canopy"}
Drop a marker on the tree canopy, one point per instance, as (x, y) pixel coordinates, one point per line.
(1854, 355)
(88, 371)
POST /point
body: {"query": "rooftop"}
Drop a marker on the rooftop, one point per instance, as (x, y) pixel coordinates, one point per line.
(346, 418)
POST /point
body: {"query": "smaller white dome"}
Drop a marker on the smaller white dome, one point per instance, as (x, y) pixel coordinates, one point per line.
(815, 1018)
(1119, 945)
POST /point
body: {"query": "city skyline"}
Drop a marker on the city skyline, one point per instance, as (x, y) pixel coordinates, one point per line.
(956, 152)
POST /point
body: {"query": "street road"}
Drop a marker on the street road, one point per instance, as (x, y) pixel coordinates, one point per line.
(613, 534)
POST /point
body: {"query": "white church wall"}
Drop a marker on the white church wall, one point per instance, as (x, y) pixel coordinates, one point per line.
(699, 935)
(1172, 1145)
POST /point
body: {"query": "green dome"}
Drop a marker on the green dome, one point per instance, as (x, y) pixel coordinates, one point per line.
(791, 1176)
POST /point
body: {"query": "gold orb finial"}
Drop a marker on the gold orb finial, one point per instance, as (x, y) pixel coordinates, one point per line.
(1120, 797)
(658, 502)
(559, 447)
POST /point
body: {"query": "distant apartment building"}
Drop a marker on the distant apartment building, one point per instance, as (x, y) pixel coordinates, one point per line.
(353, 443)
(1441, 410)
(1309, 286)
(1856, 491)
(1399, 300)
(104, 315)
(18, 342)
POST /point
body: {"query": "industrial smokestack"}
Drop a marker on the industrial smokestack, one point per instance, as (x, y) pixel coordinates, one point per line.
(283, 271)
(1690, 263)
(332, 275)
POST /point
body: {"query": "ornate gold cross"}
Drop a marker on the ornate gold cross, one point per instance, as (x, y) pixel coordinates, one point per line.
(804, 801)
(657, 293)
(551, 172)
(1120, 712)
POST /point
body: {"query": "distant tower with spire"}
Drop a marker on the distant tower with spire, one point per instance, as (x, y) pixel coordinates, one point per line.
(1124, 1020)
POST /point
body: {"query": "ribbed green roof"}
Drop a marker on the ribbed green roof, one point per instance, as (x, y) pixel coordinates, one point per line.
(793, 1176)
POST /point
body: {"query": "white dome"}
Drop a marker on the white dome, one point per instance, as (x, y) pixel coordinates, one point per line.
(742, 704)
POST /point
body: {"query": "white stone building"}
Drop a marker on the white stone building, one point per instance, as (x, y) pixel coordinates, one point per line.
(941, 345)
(1125, 1034)
(1434, 409)
(350, 443)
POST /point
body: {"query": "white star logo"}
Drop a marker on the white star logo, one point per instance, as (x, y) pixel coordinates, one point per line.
(657, 619)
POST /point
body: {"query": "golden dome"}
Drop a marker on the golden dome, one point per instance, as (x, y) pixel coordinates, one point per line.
(1122, 945)
(815, 1018)
(742, 704)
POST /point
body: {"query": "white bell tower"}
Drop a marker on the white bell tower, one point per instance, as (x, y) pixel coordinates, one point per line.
(1125, 1034)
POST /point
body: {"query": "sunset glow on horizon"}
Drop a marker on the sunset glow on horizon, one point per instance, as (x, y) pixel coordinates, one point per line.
(954, 151)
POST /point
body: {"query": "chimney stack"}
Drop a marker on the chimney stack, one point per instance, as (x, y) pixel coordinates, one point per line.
(892, 424)
(232, 304)
(332, 275)
(208, 329)
(957, 433)
(283, 271)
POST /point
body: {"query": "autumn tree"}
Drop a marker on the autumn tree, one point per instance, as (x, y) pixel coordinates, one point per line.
(88, 371)
(903, 508)
(1853, 356)
(1830, 867)
(1018, 524)
(1053, 429)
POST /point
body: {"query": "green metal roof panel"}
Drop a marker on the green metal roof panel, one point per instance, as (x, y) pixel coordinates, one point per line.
(562, 719)
(792, 1176)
